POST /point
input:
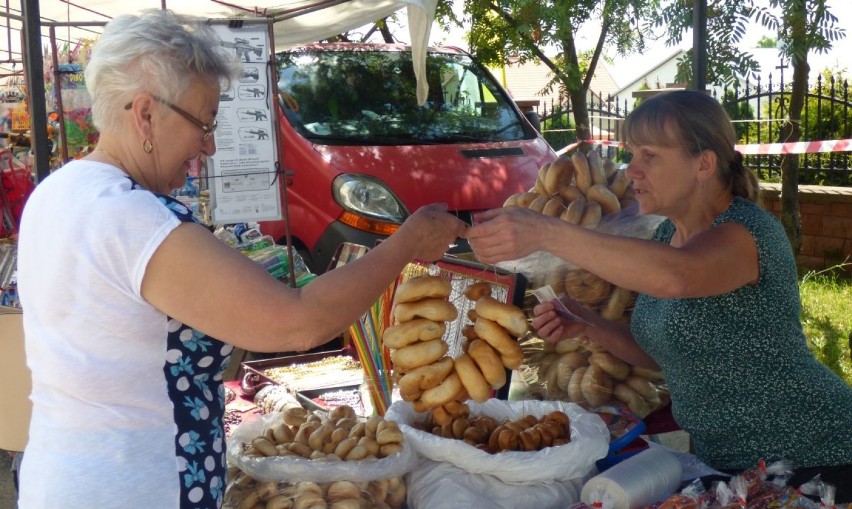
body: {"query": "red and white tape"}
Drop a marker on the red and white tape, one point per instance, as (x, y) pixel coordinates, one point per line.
(801, 147)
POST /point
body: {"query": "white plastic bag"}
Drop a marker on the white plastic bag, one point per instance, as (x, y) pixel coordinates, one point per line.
(440, 485)
(576, 459)
(294, 468)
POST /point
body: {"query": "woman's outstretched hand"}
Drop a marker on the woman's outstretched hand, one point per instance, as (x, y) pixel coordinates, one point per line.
(506, 233)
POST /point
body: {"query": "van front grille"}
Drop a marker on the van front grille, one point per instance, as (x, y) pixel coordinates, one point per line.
(493, 152)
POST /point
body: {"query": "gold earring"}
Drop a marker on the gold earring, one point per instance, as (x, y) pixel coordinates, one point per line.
(147, 146)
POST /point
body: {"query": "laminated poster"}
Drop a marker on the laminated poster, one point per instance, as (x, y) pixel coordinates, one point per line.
(243, 184)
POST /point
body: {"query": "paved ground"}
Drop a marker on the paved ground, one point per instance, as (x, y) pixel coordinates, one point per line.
(7, 486)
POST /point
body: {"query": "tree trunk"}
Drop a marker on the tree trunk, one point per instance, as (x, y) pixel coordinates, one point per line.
(791, 132)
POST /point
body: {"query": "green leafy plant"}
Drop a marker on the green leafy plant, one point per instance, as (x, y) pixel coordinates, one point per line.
(827, 316)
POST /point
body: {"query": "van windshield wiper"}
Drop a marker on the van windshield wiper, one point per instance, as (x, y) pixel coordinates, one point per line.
(370, 140)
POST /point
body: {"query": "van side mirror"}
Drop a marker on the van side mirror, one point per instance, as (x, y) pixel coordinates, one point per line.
(534, 119)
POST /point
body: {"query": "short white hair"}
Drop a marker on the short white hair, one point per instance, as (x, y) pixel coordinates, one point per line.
(158, 52)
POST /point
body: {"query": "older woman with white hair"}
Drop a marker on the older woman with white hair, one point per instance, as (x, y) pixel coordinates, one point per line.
(124, 292)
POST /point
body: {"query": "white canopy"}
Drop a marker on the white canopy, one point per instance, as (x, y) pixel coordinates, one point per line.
(296, 21)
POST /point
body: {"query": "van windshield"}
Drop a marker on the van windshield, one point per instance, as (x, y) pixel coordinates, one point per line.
(368, 97)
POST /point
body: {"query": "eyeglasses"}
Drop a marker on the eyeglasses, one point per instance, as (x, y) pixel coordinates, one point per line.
(208, 129)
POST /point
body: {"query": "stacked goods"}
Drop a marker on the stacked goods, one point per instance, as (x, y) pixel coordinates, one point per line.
(429, 378)
(583, 189)
(529, 433)
(338, 436)
(379, 494)
(573, 370)
(578, 188)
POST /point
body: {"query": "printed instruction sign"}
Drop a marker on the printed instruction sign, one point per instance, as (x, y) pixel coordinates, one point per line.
(243, 184)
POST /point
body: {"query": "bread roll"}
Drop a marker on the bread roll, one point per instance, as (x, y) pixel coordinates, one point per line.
(596, 169)
(539, 203)
(586, 288)
(512, 200)
(422, 287)
(472, 379)
(634, 402)
(570, 193)
(489, 363)
(554, 207)
(614, 367)
(567, 345)
(565, 366)
(438, 310)
(511, 317)
(477, 290)
(574, 211)
(405, 333)
(419, 354)
(596, 386)
(525, 199)
(651, 374)
(499, 339)
(582, 176)
(445, 391)
(619, 183)
(575, 385)
(559, 174)
(413, 383)
(644, 387)
(618, 302)
(539, 188)
(591, 215)
(607, 200)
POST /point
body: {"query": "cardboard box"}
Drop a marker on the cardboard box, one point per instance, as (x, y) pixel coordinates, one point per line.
(16, 380)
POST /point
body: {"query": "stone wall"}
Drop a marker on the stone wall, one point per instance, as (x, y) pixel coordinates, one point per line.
(826, 217)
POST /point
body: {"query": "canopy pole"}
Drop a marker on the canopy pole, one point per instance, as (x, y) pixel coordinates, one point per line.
(35, 88)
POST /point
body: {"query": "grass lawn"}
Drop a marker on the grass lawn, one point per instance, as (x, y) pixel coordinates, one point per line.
(827, 318)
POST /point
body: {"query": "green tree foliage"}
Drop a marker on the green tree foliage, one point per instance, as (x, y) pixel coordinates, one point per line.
(521, 30)
(767, 42)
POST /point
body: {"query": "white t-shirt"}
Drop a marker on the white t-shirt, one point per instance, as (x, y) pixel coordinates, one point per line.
(104, 425)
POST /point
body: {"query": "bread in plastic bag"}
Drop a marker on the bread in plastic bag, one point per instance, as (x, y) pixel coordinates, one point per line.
(296, 468)
(576, 459)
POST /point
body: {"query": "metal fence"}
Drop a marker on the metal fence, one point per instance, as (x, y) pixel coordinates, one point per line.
(758, 111)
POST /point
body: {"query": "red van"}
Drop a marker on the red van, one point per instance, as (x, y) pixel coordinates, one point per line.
(362, 154)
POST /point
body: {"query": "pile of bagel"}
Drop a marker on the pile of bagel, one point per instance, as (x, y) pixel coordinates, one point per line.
(529, 433)
(573, 370)
(339, 435)
(428, 377)
(582, 188)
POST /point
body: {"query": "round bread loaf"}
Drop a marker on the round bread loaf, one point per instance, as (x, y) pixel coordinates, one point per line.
(443, 392)
(422, 287)
(419, 354)
(499, 339)
(405, 333)
(489, 363)
(472, 378)
(512, 318)
(437, 310)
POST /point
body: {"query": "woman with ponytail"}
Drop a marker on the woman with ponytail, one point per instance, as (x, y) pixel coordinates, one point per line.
(718, 306)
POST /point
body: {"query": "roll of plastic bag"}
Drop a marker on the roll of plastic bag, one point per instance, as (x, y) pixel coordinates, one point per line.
(639, 481)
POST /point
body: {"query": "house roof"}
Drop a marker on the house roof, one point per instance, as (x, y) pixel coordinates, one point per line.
(645, 72)
(525, 82)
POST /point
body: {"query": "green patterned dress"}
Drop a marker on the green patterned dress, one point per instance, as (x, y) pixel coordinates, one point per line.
(743, 382)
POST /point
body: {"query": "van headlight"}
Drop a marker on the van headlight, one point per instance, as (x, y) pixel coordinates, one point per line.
(368, 196)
